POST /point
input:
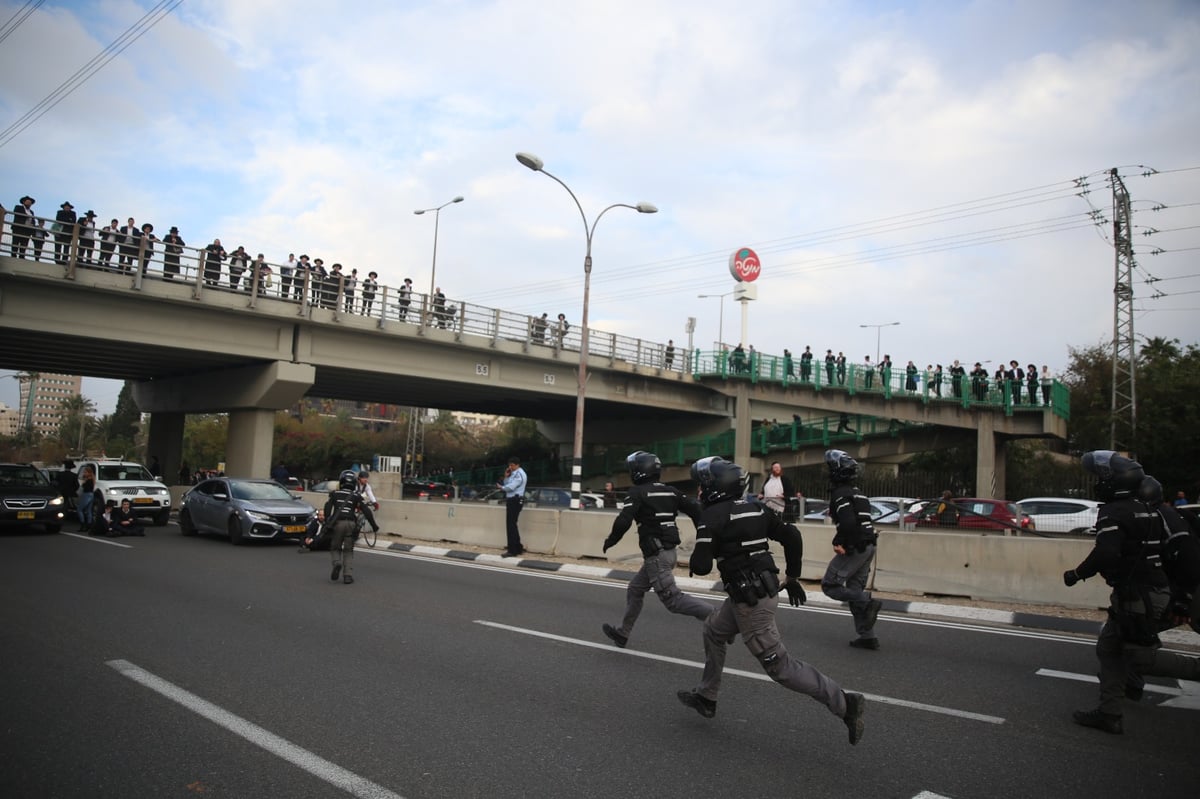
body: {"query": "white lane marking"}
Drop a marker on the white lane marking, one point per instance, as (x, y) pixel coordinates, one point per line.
(319, 767)
(831, 608)
(1186, 696)
(97, 540)
(930, 795)
(887, 700)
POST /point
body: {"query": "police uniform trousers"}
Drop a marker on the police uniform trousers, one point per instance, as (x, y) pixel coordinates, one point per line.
(341, 547)
(1123, 661)
(512, 509)
(845, 580)
(756, 624)
(658, 572)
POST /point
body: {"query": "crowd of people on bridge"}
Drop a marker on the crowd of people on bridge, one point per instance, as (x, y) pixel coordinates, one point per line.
(1024, 385)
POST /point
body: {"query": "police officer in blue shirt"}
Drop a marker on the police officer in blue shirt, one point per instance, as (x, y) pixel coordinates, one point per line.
(514, 483)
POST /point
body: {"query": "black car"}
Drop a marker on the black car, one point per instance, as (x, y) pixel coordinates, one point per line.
(27, 497)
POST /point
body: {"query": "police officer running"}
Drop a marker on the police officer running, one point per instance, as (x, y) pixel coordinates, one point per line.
(734, 532)
(1130, 539)
(341, 511)
(654, 507)
(846, 577)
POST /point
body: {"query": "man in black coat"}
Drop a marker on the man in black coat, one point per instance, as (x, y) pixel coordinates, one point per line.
(21, 226)
(64, 231)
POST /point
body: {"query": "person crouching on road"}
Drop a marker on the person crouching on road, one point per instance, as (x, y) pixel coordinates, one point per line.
(654, 507)
(846, 577)
(734, 532)
(341, 513)
(123, 522)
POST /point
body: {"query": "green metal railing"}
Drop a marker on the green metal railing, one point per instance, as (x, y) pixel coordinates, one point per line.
(895, 382)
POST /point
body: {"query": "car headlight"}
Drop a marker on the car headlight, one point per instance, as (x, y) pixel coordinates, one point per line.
(113, 492)
(57, 501)
(262, 517)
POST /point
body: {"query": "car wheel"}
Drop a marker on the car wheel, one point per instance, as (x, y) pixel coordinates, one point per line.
(185, 523)
(235, 530)
(162, 517)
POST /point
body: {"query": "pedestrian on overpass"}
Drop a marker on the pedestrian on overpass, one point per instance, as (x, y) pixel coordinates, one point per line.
(514, 483)
(654, 506)
(846, 577)
(734, 531)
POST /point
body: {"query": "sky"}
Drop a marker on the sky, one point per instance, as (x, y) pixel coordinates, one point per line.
(940, 164)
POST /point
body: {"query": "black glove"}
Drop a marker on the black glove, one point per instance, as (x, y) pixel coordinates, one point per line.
(608, 544)
(795, 592)
(376, 528)
(1070, 577)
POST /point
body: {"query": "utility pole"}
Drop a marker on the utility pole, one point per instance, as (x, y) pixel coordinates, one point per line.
(1123, 435)
(414, 450)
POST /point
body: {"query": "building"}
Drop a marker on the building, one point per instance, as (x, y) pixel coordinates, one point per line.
(10, 420)
(41, 395)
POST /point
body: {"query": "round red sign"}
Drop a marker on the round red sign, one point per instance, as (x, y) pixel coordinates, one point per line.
(744, 265)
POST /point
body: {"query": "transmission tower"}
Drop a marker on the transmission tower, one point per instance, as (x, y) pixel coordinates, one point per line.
(414, 450)
(1124, 406)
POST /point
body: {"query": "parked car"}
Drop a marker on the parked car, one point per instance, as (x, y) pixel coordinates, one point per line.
(420, 488)
(553, 497)
(878, 511)
(896, 508)
(973, 513)
(1061, 514)
(117, 480)
(246, 509)
(27, 497)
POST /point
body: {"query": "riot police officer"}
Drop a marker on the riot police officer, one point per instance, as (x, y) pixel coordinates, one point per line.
(1181, 555)
(846, 577)
(734, 531)
(341, 517)
(1130, 538)
(654, 506)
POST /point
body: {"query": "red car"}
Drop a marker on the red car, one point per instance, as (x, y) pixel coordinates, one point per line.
(973, 513)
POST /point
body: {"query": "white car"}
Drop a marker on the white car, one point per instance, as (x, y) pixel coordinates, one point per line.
(117, 480)
(1061, 514)
(896, 507)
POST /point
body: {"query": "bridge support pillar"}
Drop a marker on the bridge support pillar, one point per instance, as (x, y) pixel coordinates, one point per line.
(742, 427)
(248, 446)
(990, 459)
(165, 442)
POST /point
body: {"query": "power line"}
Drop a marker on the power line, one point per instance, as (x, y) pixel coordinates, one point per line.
(98, 62)
(13, 22)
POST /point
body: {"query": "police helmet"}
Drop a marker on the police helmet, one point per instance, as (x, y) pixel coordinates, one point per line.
(1117, 477)
(1150, 491)
(842, 468)
(644, 467)
(348, 480)
(719, 479)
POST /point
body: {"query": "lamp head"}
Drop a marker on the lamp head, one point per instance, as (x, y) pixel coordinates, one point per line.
(647, 208)
(530, 160)
(457, 200)
(419, 212)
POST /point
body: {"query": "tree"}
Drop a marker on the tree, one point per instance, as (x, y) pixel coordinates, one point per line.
(76, 422)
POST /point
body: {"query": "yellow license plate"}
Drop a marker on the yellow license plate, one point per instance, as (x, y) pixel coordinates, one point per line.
(295, 528)
(142, 500)
(25, 514)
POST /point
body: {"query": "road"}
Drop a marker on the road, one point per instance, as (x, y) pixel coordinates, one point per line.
(169, 666)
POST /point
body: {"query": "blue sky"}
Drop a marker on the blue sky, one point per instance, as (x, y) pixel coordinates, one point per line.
(819, 133)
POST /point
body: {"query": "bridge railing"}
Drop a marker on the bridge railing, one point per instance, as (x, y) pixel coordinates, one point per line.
(920, 384)
(225, 270)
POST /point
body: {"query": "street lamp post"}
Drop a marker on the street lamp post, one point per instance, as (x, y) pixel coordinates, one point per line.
(721, 314)
(878, 328)
(437, 214)
(536, 164)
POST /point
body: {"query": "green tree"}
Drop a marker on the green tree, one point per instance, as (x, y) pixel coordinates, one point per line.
(76, 423)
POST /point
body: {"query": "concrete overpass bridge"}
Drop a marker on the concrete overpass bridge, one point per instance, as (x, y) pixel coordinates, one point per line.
(191, 346)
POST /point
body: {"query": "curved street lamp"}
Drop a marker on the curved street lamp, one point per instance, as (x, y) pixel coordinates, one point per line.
(437, 213)
(878, 328)
(721, 319)
(537, 165)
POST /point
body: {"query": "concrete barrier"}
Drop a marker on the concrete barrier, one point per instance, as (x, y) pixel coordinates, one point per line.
(1000, 568)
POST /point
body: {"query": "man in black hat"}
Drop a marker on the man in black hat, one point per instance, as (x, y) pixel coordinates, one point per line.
(172, 248)
(405, 299)
(21, 229)
(147, 246)
(64, 231)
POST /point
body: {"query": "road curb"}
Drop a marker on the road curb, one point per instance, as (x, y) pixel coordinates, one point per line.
(1034, 621)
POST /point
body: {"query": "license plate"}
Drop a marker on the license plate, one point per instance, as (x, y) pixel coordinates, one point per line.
(25, 514)
(142, 500)
(295, 528)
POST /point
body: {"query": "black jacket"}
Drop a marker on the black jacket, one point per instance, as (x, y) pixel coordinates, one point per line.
(851, 512)
(1128, 550)
(654, 507)
(342, 506)
(734, 533)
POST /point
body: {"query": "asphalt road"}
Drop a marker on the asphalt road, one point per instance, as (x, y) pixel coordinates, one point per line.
(168, 666)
